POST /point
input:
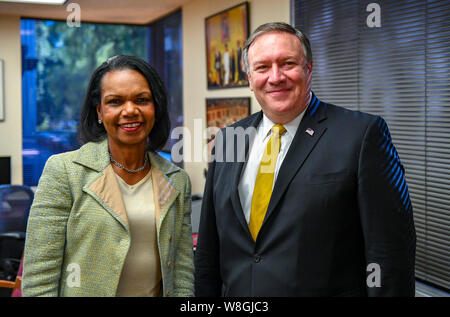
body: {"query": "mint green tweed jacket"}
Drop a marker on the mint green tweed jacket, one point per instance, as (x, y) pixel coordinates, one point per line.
(78, 235)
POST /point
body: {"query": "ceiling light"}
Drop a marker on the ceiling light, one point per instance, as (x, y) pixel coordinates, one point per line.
(52, 2)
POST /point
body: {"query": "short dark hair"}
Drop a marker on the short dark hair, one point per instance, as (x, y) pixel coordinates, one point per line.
(277, 27)
(90, 131)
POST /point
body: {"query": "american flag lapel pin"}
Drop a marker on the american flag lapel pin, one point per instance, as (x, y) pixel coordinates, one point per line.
(310, 131)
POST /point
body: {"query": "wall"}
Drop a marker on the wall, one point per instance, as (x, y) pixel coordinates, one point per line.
(194, 75)
(194, 67)
(11, 127)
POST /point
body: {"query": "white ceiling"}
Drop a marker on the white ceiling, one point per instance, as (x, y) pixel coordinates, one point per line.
(107, 11)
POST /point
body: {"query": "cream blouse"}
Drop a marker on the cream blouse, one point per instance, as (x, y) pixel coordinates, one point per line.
(141, 274)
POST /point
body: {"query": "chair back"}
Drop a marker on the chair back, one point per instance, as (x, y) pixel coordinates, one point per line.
(15, 204)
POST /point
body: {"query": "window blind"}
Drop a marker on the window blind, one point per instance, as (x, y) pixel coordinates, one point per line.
(400, 71)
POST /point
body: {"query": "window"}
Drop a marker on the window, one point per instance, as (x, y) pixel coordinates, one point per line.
(57, 62)
(166, 56)
(399, 71)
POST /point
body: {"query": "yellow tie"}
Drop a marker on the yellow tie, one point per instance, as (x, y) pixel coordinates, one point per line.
(264, 180)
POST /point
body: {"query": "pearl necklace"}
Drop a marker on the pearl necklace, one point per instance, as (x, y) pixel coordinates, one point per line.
(127, 169)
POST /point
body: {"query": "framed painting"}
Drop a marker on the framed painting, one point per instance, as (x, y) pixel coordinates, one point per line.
(226, 33)
(222, 112)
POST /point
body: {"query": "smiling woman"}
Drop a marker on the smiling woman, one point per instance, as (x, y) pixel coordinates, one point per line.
(127, 112)
(118, 204)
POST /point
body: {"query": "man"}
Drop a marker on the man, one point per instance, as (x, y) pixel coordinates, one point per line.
(241, 73)
(226, 66)
(325, 213)
(218, 67)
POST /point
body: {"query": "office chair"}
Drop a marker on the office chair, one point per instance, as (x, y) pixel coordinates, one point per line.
(15, 203)
(11, 263)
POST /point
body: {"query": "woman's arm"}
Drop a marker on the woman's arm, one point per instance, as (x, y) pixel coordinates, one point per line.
(46, 231)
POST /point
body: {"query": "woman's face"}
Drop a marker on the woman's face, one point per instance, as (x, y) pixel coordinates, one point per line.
(127, 108)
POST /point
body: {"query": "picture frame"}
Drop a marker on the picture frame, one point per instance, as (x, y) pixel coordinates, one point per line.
(2, 92)
(222, 112)
(226, 33)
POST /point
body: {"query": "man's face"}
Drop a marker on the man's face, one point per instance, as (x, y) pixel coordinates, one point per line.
(279, 75)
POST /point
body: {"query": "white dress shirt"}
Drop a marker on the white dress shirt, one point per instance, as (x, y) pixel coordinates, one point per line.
(256, 150)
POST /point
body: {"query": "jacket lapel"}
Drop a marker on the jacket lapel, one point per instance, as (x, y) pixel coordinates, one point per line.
(104, 187)
(106, 191)
(301, 146)
(164, 192)
(237, 171)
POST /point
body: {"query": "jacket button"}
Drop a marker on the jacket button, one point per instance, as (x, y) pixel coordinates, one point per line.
(257, 258)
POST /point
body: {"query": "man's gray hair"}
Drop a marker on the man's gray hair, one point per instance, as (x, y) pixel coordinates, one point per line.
(276, 27)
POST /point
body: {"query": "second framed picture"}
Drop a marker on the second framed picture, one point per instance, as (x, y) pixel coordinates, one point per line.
(222, 112)
(226, 33)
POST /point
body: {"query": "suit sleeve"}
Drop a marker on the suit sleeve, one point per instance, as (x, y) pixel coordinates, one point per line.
(46, 232)
(386, 215)
(208, 282)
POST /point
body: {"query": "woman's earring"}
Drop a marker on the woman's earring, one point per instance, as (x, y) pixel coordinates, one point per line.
(99, 121)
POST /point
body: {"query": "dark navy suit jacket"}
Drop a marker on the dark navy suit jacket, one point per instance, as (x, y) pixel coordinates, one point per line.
(340, 203)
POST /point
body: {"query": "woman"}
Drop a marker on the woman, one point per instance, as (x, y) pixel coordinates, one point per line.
(113, 218)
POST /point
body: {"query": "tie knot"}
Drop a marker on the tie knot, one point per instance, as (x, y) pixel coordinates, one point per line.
(278, 129)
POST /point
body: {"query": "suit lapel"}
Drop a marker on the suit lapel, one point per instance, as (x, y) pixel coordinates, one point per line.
(301, 146)
(237, 171)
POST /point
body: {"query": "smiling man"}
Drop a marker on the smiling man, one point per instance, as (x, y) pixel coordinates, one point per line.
(320, 207)
(280, 76)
